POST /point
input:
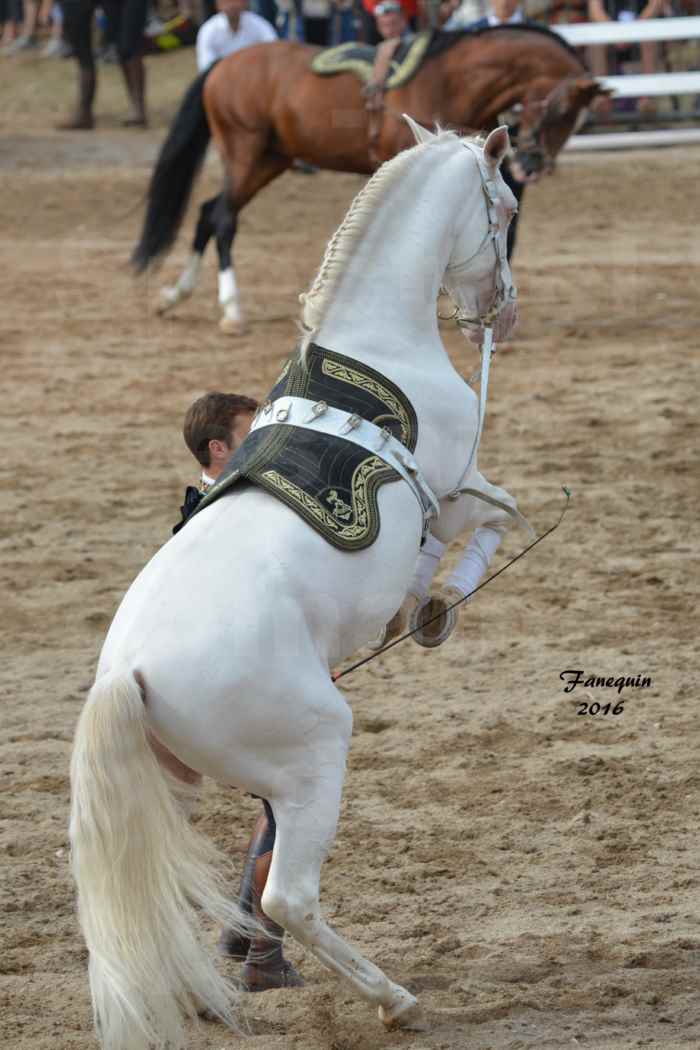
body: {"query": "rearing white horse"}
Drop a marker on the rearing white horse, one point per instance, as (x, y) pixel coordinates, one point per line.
(219, 657)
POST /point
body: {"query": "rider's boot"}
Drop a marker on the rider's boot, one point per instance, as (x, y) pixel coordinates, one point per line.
(265, 966)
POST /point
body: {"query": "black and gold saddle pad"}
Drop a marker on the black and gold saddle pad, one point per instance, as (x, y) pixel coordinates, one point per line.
(359, 59)
(330, 481)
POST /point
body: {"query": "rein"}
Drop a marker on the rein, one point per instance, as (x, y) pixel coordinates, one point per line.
(336, 676)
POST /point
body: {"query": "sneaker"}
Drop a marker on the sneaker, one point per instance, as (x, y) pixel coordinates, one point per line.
(53, 48)
(22, 43)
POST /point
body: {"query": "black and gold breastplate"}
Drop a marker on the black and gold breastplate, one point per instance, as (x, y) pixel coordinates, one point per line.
(331, 482)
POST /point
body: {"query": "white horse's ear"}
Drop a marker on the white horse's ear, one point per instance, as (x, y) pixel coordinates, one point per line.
(420, 133)
(496, 146)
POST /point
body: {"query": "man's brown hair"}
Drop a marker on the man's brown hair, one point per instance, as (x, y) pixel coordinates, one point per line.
(212, 417)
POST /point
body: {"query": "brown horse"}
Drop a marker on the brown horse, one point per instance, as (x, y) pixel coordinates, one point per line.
(264, 108)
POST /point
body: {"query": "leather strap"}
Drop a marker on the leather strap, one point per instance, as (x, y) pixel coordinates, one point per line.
(317, 415)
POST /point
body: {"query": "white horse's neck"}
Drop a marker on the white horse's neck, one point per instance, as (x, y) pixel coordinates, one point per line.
(384, 301)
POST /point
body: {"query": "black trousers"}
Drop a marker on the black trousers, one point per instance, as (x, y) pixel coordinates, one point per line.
(126, 20)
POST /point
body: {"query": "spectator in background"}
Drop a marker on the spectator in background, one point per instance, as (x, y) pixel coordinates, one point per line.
(500, 13)
(127, 19)
(232, 29)
(625, 11)
(316, 21)
(27, 38)
(56, 46)
(11, 19)
(371, 24)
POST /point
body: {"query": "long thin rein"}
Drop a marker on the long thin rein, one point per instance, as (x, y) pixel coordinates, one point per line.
(337, 675)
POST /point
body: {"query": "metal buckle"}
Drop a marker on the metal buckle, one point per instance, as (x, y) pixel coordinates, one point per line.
(316, 410)
(383, 437)
(351, 423)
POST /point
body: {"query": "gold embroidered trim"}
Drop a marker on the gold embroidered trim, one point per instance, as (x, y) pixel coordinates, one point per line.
(353, 378)
(368, 471)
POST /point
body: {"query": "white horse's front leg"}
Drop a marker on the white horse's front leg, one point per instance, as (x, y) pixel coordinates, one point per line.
(183, 287)
(489, 511)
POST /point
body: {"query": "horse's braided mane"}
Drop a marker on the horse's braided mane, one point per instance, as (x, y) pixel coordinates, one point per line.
(342, 244)
(442, 39)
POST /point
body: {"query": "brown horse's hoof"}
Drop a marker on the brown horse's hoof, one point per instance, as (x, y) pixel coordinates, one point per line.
(229, 326)
(262, 977)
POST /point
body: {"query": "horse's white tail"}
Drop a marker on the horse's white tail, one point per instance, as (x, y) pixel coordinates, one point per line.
(141, 870)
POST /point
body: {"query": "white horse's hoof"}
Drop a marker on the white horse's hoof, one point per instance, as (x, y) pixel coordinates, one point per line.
(435, 608)
(230, 326)
(405, 1013)
(170, 297)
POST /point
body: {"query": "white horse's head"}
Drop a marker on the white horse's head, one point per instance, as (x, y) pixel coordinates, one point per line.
(478, 277)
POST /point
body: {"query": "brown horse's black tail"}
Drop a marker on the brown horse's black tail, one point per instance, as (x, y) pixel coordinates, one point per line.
(180, 159)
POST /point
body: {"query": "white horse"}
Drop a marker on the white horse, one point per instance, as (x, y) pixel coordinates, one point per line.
(218, 660)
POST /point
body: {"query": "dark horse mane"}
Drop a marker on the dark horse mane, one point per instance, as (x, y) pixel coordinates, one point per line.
(443, 39)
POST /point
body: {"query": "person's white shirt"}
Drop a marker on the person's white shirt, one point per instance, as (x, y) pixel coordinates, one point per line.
(515, 19)
(467, 14)
(216, 39)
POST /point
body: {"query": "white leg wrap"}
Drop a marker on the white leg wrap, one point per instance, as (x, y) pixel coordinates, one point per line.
(190, 275)
(185, 285)
(228, 295)
(475, 560)
(426, 566)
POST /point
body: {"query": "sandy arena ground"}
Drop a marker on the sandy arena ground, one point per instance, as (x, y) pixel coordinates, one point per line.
(530, 871)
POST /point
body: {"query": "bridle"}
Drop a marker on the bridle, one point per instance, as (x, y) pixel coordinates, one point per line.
(505, 290)
(504, 294)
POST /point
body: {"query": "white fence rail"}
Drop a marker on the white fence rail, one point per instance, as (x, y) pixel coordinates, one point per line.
(638, 85)
(629, 32)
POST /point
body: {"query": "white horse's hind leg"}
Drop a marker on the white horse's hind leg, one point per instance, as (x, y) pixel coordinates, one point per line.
(306, 820)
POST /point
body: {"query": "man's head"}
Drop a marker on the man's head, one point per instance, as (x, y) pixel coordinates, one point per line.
(233, 9)
(215, 425)
(390, 19)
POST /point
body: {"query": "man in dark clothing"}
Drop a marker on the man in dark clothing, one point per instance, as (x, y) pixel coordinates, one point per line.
(126, 20)
(214, 427)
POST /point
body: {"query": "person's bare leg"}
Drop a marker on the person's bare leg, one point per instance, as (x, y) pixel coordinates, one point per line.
(134, 72)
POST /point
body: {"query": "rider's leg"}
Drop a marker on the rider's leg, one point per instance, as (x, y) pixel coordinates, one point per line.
(265, 965)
